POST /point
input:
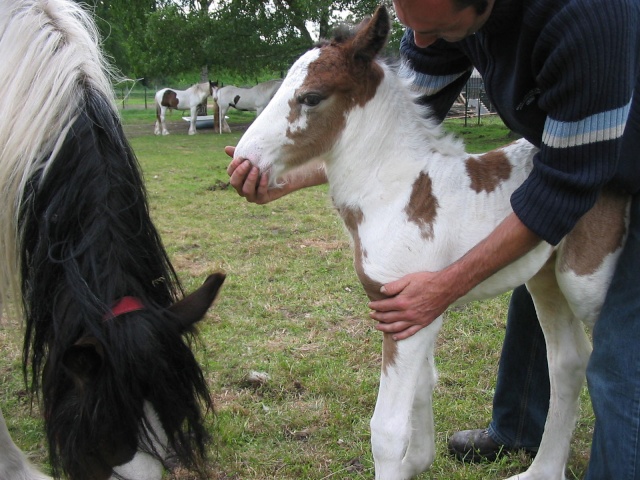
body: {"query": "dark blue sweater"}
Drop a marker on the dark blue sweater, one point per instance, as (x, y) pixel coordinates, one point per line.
(565, 75)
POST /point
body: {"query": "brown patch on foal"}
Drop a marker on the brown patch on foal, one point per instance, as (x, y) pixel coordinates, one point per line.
(423, 205)
(488, 171)
(389, 352)
(170, 99)
(353, 218)
(600, 232)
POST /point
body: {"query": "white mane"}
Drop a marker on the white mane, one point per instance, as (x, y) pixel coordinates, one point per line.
(49, 45)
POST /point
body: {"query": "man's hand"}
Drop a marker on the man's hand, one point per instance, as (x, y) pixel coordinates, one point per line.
(414, 302)
(418, 299)
(248, 182)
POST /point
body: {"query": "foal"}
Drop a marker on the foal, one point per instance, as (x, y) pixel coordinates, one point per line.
(413, 200)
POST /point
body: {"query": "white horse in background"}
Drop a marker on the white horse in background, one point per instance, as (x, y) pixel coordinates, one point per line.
(189, 99)
(245, 98)
(412, 201)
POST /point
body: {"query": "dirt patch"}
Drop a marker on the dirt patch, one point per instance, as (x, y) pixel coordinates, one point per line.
(177, 128)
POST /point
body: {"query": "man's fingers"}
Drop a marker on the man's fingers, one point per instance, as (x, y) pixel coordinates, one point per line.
(407, 332)
(250, 184)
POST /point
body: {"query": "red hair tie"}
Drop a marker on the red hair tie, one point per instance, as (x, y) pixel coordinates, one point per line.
(125, 305)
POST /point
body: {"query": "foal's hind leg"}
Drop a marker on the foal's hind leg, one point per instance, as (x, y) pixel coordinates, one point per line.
(568, 350)
(13, 463)
(402, 431)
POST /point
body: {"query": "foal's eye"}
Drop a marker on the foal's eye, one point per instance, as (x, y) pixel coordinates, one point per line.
(310, 99)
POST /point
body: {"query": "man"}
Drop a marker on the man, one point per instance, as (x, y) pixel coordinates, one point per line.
(565, 75)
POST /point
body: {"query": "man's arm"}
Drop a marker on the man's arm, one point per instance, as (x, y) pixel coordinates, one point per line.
(418, 299)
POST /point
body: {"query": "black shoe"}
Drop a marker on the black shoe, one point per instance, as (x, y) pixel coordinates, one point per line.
(474, 446)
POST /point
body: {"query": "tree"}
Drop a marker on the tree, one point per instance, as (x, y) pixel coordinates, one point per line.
(157, 39)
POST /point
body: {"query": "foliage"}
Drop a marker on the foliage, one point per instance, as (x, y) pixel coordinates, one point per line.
(159, 39)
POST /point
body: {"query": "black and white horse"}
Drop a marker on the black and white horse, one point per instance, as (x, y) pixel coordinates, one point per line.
(413, 201)
(189, 99)
(107, 339)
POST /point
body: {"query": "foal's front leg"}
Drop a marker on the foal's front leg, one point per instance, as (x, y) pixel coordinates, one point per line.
(402, 431)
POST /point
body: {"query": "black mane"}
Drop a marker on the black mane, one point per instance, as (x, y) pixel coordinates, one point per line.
(87, 240)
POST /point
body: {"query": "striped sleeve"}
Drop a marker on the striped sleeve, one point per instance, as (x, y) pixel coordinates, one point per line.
(599, 127)
(589, 61)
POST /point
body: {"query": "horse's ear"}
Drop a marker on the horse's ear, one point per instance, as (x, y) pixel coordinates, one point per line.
(372, 35)
(84, 358)
(193, 307)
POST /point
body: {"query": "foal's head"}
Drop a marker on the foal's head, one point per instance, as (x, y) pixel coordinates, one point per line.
(310, 110)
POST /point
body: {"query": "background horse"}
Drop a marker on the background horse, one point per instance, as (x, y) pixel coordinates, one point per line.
(189, 99)
(414, 201)
(107, 341)
(254, 98)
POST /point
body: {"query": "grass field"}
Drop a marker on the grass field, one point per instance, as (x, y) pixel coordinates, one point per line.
(292, 308)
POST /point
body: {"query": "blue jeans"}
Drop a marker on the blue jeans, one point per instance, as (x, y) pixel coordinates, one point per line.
(613, 374)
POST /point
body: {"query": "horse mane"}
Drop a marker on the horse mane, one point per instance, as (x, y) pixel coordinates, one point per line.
(33, 37)
(62, 228)
(77, 236)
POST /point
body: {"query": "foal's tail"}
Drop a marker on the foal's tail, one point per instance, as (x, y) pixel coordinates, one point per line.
(50, 60)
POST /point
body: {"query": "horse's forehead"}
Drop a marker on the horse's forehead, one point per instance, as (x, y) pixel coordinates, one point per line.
(300, 69)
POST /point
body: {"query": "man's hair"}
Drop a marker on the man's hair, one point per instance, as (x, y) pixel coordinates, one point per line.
(480, 5)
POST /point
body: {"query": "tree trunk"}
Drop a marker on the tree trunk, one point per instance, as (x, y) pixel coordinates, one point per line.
(204, 77)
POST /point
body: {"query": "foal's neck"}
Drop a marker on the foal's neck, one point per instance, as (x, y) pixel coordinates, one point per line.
(386, 143)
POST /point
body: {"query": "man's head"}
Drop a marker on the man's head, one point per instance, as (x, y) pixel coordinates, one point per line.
(450, 20)
(479, 5)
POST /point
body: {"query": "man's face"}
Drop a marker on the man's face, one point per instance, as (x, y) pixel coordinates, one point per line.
(431, 20)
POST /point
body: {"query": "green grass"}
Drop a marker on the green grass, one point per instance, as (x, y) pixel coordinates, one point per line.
(293, 308)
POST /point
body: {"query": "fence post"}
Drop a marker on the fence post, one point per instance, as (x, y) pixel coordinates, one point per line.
(466, 102)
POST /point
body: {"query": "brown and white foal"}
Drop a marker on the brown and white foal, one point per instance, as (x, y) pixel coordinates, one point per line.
(413, 200)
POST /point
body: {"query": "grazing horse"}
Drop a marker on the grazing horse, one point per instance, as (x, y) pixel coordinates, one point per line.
(189, 99)
(255, 98)
(107, 342)
(413, 200)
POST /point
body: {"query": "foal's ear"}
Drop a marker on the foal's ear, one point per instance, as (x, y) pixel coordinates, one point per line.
(372, 35)
(84, 358)
(193, 307)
